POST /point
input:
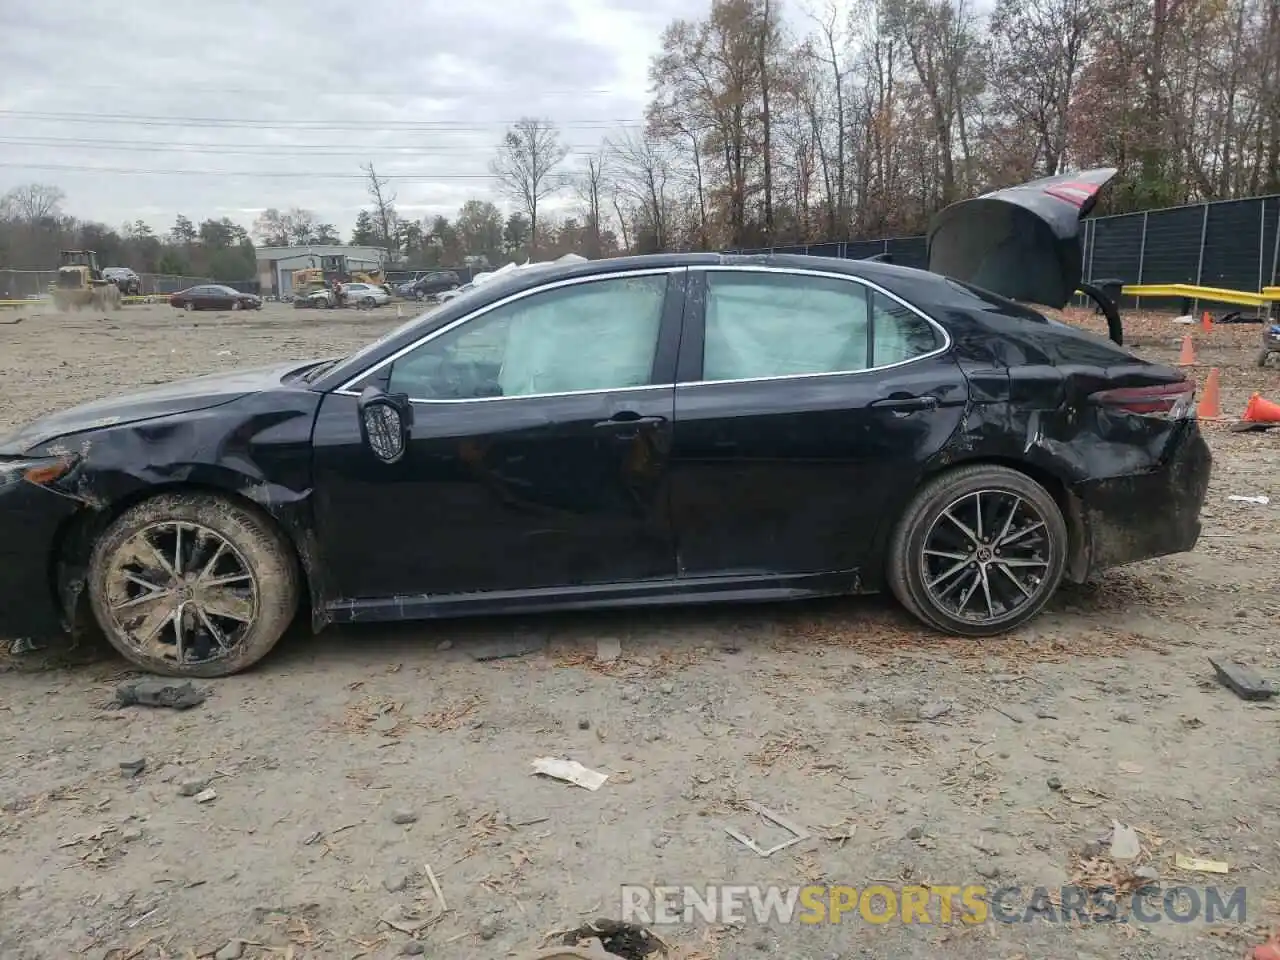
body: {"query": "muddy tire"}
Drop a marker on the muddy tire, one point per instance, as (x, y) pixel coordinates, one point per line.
(978, 552)
(1262, 357)
(192, 585)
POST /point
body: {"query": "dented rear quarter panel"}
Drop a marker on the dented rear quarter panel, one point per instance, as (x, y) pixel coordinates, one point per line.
(1132, 486)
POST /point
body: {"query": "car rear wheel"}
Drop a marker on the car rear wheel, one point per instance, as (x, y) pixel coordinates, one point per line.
(979, 551)
(368, 303)
(190, 584)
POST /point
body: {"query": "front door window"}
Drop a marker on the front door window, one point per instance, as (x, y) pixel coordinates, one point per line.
(593, 336)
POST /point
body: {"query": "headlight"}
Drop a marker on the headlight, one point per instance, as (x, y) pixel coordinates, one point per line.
(41, 471)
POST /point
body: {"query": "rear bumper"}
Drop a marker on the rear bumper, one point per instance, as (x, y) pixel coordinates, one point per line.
(30, 520)
(1152, 514)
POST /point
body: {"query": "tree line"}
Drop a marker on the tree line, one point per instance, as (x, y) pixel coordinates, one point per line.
(859, 123)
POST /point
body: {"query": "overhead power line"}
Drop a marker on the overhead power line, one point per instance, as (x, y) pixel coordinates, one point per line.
(258, 149)
(245, 123)
(290, 175)
(437, 93)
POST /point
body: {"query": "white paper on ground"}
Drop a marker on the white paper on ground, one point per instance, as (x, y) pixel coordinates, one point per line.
(570, 771)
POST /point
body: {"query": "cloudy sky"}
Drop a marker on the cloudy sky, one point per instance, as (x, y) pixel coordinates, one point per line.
(151, 108)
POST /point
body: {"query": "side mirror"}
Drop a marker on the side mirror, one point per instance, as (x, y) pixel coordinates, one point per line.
(385, 420)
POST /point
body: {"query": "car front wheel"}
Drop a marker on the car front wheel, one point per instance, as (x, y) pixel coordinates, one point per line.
(979, 551)
(188, 584)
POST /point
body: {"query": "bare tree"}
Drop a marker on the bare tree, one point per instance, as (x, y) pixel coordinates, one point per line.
(526, 167)
(384, 211)
(644, 174)
(589, 185)
(32, 202)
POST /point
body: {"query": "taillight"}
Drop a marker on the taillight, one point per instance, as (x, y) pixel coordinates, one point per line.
(1173, 400)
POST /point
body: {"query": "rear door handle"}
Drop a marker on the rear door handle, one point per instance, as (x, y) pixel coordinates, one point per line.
(622, 420)
(906, 404)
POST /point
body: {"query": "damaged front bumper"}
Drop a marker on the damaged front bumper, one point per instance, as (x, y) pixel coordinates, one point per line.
(32, 519)
(1150, 514)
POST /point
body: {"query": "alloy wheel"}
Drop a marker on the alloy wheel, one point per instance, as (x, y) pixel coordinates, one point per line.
(181, 591)
(986, 555)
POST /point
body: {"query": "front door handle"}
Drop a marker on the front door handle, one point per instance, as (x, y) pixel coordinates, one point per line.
(629, 420)
(905, 404)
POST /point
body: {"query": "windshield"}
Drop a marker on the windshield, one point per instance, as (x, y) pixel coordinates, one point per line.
(402, 328)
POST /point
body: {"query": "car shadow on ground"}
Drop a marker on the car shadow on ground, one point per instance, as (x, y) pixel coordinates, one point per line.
(875, 625)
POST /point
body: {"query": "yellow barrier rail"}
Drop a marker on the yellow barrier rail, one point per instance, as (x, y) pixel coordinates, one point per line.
(1187, 291)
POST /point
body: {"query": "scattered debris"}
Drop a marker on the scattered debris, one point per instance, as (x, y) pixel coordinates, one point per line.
(1269, 950)
(608, 650)
(1197, 865)
(413, 948)
(1260, 501)
(1148, 874)
(408, 920)
(934, 710)
(204, 796)
(189, 788)
(584, 723)
(626, 941)
(1124, 842)
(798, 833)
(508, 647)
(435, 887)
(570, 771)
(915, 833)
(152, 692)
(1242, 681)
(233, 950)
(1054, 783)
(489, 926)
(404, 817)
(396, 882)
(667, 688)
(132, 768)
(1127, 767)
(1008, 712)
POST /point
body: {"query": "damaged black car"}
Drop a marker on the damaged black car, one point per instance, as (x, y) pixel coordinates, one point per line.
(645, 430)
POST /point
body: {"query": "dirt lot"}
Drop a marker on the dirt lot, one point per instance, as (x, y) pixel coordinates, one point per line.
(346, 765)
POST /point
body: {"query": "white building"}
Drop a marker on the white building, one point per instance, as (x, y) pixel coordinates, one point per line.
(276, 264)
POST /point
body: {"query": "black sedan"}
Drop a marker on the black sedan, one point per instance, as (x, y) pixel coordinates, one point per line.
(662, 429)
(214, 296)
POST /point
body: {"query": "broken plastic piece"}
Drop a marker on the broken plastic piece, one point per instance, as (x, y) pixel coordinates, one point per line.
(799, 833)
(1200, 866)
(1242, 681)
(150, 692)
(570, 771)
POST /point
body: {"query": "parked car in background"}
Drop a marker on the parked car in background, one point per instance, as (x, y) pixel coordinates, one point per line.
(127, 282)
(430, 285)
(452, 294)
(364, 295)
(214, 296)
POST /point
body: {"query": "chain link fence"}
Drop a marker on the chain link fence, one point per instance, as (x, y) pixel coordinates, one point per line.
(34, 284)
(1232, 244)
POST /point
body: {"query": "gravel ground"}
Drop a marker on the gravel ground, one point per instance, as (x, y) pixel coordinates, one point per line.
(352, 769)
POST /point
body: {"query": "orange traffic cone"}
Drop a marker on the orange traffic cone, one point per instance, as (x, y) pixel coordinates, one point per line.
(1261, 411)
(1210, 406)
(1206, 322)
(1188, 356)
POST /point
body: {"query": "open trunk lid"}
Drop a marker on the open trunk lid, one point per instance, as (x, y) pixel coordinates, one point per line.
(1021, 242)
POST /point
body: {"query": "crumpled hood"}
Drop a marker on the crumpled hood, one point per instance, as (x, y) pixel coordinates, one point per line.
(1021, 242)
(180, 396)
